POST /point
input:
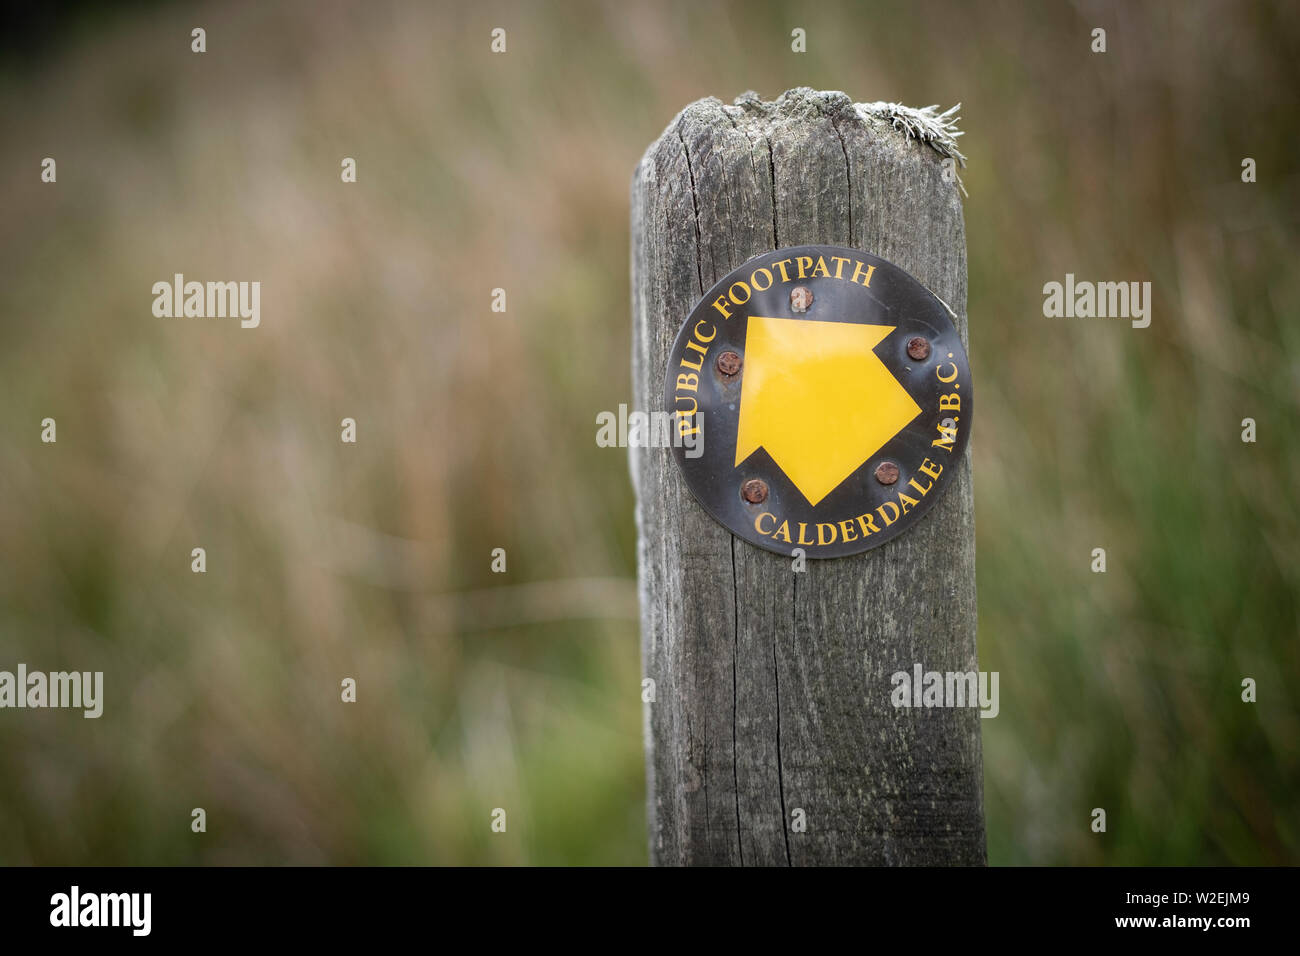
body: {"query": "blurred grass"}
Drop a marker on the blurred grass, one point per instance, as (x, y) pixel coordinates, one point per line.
(476, 429)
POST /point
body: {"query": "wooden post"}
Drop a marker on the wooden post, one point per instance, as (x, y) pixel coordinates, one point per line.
(772, 688)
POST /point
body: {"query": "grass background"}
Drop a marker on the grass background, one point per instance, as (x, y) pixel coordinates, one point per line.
(476, 429)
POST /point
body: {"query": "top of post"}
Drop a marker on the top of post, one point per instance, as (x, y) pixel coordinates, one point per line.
(918, 128)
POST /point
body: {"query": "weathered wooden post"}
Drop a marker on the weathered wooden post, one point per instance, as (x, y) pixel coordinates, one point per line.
(772, 738)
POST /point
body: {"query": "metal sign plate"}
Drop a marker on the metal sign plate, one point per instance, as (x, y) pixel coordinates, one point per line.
(824, 398)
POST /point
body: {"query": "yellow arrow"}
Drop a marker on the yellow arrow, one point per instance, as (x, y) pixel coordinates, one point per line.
(817, 397)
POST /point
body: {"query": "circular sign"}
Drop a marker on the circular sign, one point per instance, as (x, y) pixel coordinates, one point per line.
(820, 399)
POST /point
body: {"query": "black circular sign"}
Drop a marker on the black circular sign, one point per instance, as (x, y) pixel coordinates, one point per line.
(820, 399)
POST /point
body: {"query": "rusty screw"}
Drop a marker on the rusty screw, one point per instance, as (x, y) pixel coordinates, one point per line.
(754, 491)
(801, 298)
(918, 348)
(728, 363)
(886, 473)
